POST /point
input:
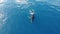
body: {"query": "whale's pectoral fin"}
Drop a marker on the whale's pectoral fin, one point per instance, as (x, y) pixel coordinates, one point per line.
(30, 19)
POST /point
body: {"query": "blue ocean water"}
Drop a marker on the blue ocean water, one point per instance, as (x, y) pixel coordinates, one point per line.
(47, 18)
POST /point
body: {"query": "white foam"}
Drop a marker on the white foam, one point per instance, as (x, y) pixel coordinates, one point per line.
(1, 1)
(22, 1)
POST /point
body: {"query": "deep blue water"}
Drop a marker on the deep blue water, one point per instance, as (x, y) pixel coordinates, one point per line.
(47, 19)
